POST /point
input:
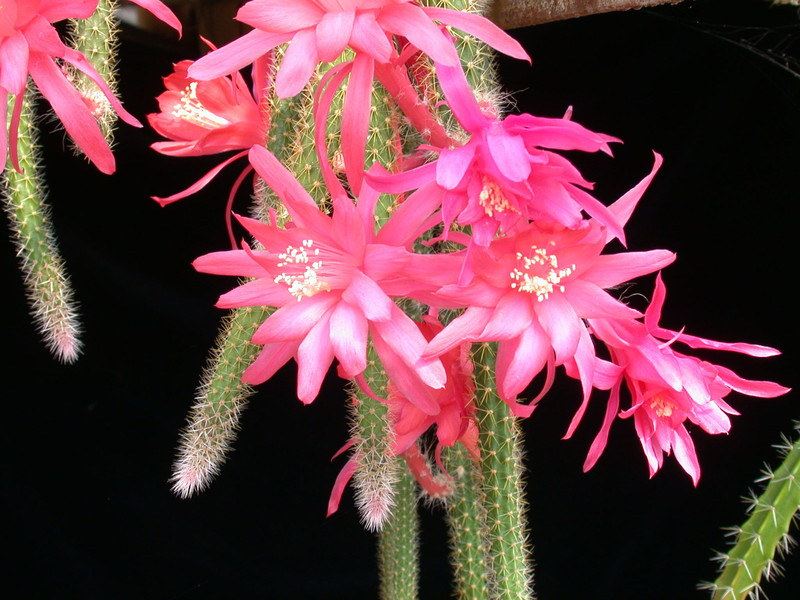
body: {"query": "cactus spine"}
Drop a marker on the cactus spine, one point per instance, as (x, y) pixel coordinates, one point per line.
(97, 39)
(49, 292)
(466, 519)
(398, 547)
(501, 464)
(765, 533)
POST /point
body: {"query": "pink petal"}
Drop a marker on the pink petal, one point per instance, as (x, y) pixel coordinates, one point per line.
(200, 183)
(342, 479)
(508, 152)
(367, 295)
(562, 326)
(481, 28)
(237, 263)
(601, 439)
(161, 12)
(280, 16)
(333, 33)
(298, 64)
(759, 389)
(411, 22)
(260, 292)
(452, 165)
(70, 108)
(349, 338)
(14, 59)
(591, 302)
(367, 36)
(519, 360)
(612, 269)
(511, 316)
(314, 358)
(460, 98)
(623, 208)
(295, 319)
(271, 358)
(355, 119)
(685, 453)
(236, 55)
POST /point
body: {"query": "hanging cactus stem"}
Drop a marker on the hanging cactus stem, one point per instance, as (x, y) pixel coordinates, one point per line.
(49, 292)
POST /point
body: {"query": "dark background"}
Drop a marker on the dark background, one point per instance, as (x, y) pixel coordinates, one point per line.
(86, 450)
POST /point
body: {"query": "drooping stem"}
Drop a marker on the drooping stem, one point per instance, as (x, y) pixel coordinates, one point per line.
(50, 295)
(764, 533)
(501, 465)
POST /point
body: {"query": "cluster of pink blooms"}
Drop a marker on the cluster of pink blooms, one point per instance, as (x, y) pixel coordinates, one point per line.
(31, 46)
(526, 269)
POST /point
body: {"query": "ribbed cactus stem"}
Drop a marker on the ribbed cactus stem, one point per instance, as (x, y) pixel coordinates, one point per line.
(765, 533)
(49, 292)
(466, 520)
(97, 39)
(398, 545)
(501, 465)
(221, 396)
(378, 469)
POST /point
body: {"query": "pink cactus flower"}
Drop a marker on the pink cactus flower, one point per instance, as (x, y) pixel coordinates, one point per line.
(331, 278)
(532, 290)
(319, 30)
(207, 117)
(161, 12)
(506, 174)
(668, 388)
(30, 45)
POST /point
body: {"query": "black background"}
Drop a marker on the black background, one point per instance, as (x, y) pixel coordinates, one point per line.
(86, 450)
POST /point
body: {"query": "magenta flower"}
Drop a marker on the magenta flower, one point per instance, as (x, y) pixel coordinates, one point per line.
(207, 117)
(506, 175)
(668, 388)
(532, 290)
(30, 45)
(319, 30)
(455, 420)
(331, 279)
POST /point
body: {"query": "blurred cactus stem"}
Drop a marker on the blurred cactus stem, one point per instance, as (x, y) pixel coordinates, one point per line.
(49, 292)
(765, 533)
(97, 39)
(501, 465)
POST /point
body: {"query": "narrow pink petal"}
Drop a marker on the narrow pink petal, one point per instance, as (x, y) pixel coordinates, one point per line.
(237, 263)
(759, 389)
(562, 326)
(396, 183)
(236, 55)
(367, 36)
(460, 98)
(591, 302)
(355, 119)
(508, 152)
(342, 479)
(519, 360)
(14, 54)
(271, 358)
(411, 22)
(260, 292)
(452, 165)
(349, 338)
(481, 28)
(653, 313)
(279, 15)
(326, 90)
(298, 64)
(70, 108)
(599, 212)
(333, 33)
(55, 11)
(295, 319)
(161, 12)
(404, 377)
(314, 358)
(200, 183)
(403, 226)
(612, 269)
(623, 208)
(367, 295)
(685, 453)
(464, 328)
(601, 439)
(511, 316)
(279, 178)
(585, 361)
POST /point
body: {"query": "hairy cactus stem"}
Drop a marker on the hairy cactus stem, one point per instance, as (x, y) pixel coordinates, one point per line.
(49, 292)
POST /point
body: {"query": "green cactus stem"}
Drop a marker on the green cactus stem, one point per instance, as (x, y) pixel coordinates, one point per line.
(765, 533)
(398, 546)
(501, 465)
(213, 421)
(50, 295)
(97, 39)
(466, 520)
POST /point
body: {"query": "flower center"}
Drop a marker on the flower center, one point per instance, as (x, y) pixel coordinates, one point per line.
(662, 406)
(492, 199)
(192, 110)
(307, 283)
(538, 273)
